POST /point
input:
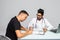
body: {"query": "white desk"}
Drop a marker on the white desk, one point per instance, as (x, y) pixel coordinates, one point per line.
(48, 35)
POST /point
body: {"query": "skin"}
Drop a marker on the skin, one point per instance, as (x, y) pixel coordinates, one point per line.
(21, 18)
(39, 17)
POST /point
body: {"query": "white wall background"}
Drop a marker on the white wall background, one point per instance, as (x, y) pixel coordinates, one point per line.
(11, 8)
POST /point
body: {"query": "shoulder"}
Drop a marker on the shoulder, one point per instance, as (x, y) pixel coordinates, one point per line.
(13, 20)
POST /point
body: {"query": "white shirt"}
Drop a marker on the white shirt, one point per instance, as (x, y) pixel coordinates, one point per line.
(39, 25)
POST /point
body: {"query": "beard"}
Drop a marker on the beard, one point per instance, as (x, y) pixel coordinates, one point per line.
(39, 18)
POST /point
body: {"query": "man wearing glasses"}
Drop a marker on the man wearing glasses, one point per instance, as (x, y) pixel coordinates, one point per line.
(40, 23)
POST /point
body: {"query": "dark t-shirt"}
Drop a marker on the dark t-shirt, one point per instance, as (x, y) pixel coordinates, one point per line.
(13, 25)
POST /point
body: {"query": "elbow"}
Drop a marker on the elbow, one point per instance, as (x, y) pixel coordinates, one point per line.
(19, 36)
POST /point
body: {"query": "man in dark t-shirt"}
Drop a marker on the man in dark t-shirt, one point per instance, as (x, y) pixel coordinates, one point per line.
(14, 27)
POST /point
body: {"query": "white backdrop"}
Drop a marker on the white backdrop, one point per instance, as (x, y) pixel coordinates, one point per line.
(11, 8)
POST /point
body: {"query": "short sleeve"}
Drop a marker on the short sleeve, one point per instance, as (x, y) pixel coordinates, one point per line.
(17, 25)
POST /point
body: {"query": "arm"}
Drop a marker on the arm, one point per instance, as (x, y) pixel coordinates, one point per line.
(31, 24)
(49, 26)
(23, 28)
(18, 30)
(20, 35)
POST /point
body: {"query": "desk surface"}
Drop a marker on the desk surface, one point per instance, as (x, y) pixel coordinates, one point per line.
(48, 35)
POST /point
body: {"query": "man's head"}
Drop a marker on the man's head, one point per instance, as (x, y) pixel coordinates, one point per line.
(22, 15)
(40, 14)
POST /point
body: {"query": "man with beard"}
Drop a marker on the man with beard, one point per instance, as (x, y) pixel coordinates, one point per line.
(40, 23)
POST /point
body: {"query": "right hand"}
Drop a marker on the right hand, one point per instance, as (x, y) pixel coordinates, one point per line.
(44, 29)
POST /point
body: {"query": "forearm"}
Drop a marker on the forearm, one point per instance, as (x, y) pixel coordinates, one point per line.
(26, 33)
(23, 34)
(23, 28)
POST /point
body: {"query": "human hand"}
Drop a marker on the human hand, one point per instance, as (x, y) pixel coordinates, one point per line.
(29, 32)
(45, 29)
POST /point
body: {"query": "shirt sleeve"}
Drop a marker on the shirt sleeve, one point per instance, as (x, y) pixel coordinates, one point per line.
(49, 26)
(17, 25)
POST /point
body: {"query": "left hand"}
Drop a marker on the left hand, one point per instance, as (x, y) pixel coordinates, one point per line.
(44, 29)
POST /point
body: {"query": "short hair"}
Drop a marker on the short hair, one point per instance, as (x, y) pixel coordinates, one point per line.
(41, 11)
(23, 11)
